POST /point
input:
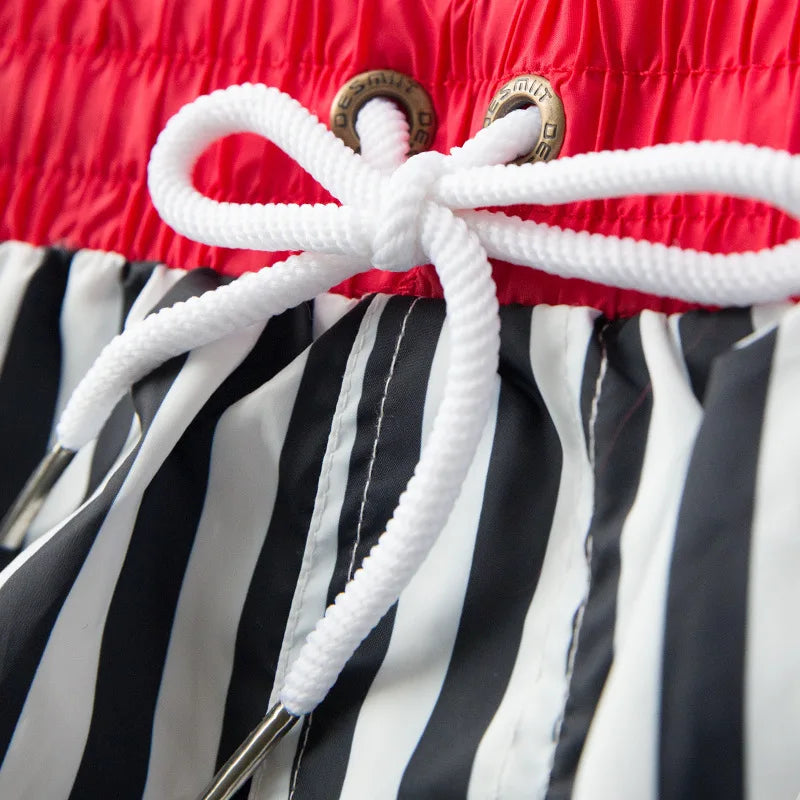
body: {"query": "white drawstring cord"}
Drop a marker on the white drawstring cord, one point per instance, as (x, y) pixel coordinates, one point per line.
(400, 199)
(380, 223)
(403, 218)
(256, 296)
(394, 216)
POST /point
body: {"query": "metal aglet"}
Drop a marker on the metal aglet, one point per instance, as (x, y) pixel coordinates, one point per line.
(244, 762)
(16, 522)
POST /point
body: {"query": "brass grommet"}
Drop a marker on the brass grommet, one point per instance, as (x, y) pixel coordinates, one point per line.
(384, 83)
(525, 90)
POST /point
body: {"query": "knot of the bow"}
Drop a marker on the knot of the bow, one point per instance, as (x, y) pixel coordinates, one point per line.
(398, 222)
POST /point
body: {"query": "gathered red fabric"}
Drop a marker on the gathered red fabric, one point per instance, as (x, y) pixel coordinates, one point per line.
(88, 86)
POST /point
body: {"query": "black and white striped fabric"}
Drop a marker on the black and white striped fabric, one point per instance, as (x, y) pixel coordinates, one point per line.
(610, 613)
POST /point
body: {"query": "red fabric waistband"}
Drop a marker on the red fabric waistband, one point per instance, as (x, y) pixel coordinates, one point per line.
(86, 87)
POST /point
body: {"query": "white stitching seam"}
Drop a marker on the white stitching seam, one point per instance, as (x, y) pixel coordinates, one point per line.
(578, 493)
(300, 755)
(515, 731)
(378, 426)
(325, 484)
(374, 310)
(589, 543)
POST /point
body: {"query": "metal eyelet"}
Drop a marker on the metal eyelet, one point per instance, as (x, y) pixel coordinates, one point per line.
(525, 90)
(384, 83)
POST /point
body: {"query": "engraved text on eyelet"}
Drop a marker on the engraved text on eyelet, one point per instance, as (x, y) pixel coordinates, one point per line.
(525, 90)
(407, 93)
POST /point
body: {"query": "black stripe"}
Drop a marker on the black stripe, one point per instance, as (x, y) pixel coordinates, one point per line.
(30, 376)
(7, 556)
(133, 278)
(32, 598)
(620, 435)
(706, 335)
(115, 432)
(328, 733)
(702, 702)
(269, 598)
(518, 505)
(110, 442)
(139, 621)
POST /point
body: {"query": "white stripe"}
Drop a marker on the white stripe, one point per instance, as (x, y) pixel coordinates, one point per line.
(242, 485)
(160, 281)
(65, 496)
(408, 683)
(37, 545)
(328, 309)
(516, 752)
(57, 713)
(319, 559)
(772, 673)
(90, 315)
(767, 315)
(674, 325)
(90, 318)
(18, 263)
(620, 756)
(675, 418)
(95, 290)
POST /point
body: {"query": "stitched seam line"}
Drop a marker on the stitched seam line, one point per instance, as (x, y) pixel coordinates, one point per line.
(505, 764)
(596, 401)
(300, 756)
(378, 427)
(578, 624)
(325, 483)
(202, 57)
(574, 506)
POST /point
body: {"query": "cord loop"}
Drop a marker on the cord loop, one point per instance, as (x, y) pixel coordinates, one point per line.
(405, 202)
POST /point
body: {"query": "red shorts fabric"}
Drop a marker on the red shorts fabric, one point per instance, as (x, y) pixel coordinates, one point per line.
(88, 86)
